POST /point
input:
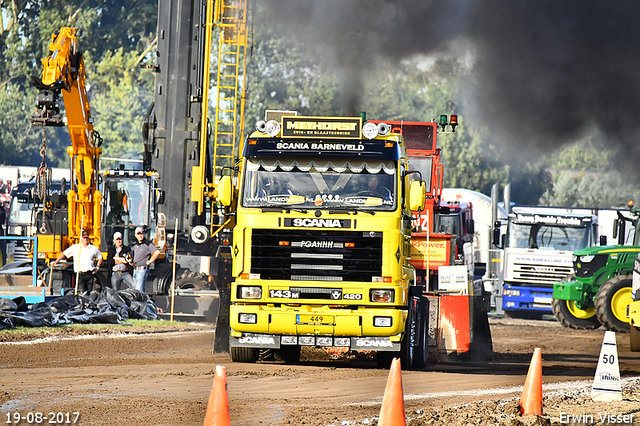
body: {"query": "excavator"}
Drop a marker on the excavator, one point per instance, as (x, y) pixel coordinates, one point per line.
(59, 223)
(186, 152)
(131, 197)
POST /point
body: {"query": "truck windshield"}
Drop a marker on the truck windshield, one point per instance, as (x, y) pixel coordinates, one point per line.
(548, 237)
(424, 165)
(312, 183)
(445, 224)
(19, 212)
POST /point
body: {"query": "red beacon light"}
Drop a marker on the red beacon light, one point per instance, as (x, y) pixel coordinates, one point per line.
(453, 122)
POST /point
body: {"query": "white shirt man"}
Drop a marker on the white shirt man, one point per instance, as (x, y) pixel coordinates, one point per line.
(87, 259)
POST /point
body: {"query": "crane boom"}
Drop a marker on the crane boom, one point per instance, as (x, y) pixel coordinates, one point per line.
(64, 73)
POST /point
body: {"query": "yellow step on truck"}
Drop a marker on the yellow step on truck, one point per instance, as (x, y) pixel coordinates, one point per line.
(322, 241)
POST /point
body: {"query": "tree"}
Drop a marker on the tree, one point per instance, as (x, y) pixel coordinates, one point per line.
(104, 27)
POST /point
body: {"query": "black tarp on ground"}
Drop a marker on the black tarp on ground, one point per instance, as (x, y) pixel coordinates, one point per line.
(106, 307)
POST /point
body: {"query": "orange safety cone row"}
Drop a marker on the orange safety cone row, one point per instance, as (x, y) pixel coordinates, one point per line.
(218, 406)
(392, 410)
(531, 400)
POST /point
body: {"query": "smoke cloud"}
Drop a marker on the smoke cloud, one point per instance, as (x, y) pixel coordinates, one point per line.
(544, 72)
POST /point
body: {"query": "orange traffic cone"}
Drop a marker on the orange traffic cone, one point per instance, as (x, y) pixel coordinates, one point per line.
(531, 400)
(218, 406)
(392, 410)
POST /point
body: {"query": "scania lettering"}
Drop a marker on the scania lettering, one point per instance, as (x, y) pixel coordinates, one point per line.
(334, 269)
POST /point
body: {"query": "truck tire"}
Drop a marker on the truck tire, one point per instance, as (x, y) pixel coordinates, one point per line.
(248, 355)
(634, 339)
(422, 320)
(570, 316)
(413, 349)
(612, 301)
(190, 280)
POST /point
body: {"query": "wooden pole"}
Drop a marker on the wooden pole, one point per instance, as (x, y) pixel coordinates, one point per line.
(173, 281)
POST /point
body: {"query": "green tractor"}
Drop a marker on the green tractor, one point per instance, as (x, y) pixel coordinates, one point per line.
(600, 291)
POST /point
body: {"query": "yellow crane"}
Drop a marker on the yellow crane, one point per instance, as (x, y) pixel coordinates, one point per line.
(64, 73)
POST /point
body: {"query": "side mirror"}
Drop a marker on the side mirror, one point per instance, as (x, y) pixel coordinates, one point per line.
(161, 196)
(417, 195)
(225, 189)
(622, 232)
(497, 241)
(471, 226)
(616, 224)
(603, 240)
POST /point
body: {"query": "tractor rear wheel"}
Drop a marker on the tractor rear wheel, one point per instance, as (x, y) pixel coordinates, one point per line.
(612, 301)
(570, 316)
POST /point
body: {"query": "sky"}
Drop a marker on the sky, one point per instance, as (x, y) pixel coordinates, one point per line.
(545, 72)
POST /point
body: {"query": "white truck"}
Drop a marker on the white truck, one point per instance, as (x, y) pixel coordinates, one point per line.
(538, 252)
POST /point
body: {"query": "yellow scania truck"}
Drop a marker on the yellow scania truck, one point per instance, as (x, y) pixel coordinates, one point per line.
(322, 241)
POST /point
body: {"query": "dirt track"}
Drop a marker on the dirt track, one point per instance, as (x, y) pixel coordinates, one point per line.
(165, 378)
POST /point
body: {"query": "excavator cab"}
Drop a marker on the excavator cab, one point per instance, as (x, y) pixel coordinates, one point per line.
(130, 199)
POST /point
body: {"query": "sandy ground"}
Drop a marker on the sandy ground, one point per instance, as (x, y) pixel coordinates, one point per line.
(126, 376)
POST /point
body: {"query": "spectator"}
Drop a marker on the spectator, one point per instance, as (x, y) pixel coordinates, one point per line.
(86, 262)
(3, 227)
(144, 254)
(118, 268)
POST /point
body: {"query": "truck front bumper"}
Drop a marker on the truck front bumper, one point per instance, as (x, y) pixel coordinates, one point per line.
(270, 326)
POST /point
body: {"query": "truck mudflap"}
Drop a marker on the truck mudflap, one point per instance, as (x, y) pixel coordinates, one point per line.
(271, 341)
(459, 328)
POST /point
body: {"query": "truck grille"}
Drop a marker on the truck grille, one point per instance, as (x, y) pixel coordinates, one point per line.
(544, 275)
(301, 255)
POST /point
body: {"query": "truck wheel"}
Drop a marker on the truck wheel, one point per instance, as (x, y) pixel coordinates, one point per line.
(634, 339)
(422, 324)
(413, 349)
(612, 301)
(569, 315)
(248, 355)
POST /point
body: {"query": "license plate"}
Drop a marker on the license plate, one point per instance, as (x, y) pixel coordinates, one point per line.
(315, 319)
(542, 300)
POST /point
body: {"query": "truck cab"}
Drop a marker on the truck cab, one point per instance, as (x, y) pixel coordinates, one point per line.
(538, 253)
(320, 253)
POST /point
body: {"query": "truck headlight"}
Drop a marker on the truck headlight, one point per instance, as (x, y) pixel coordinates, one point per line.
(511, 292)
(249, 292)
(384, 296)
(382, 321)
(247, 318)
